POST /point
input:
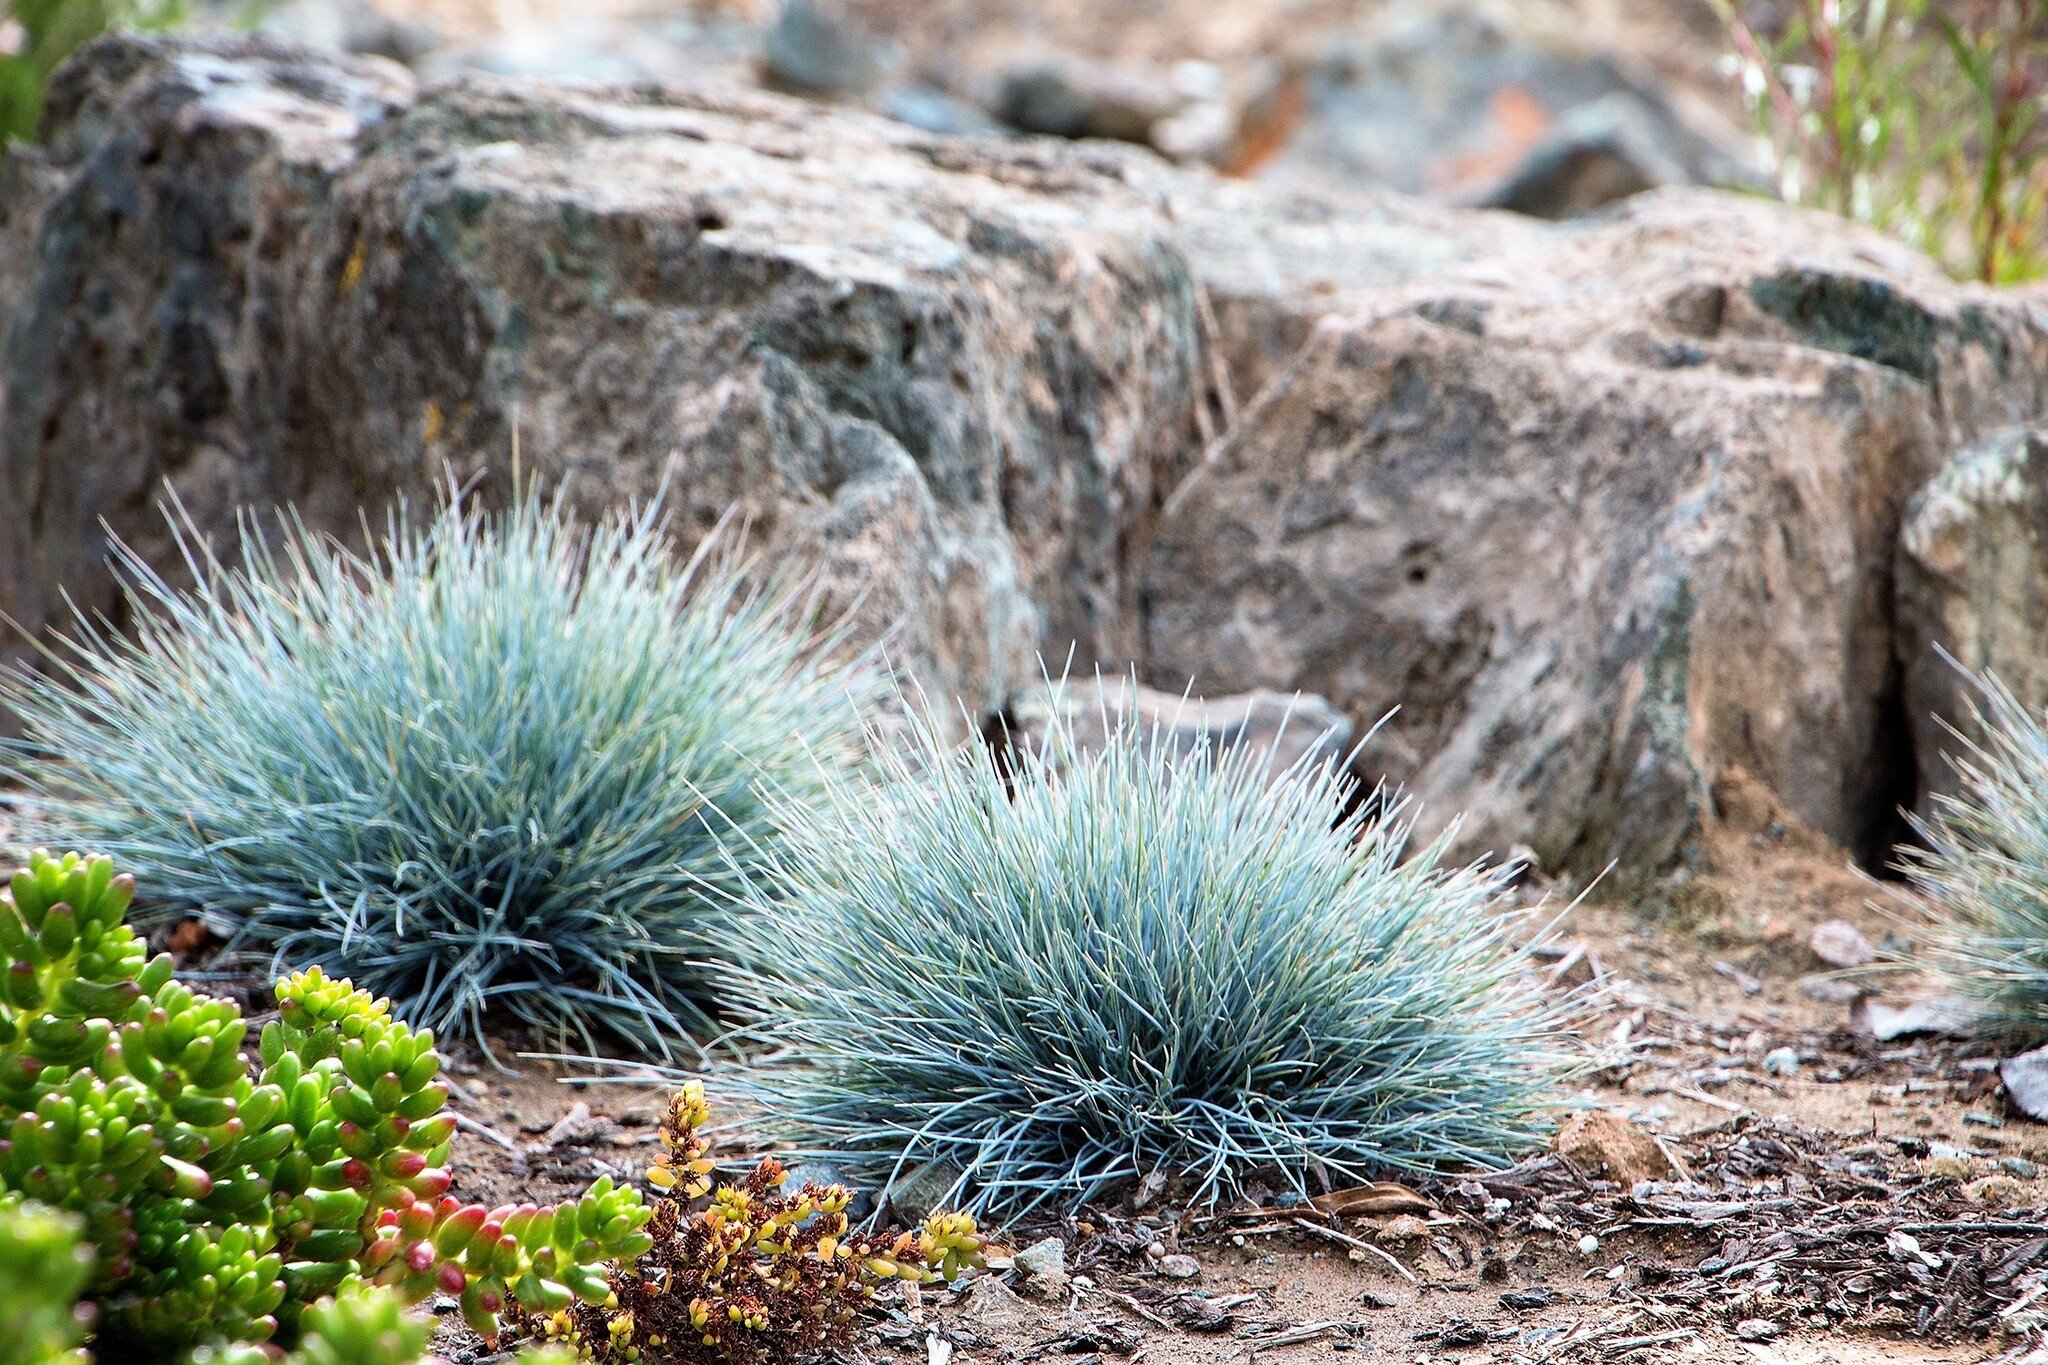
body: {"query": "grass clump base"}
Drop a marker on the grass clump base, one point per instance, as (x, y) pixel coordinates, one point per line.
(1985, 862)
(1097, 966)
(492, 767)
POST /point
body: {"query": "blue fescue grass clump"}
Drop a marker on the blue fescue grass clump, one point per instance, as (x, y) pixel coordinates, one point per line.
(493, 767)
(1045, 979)
(1985, 863)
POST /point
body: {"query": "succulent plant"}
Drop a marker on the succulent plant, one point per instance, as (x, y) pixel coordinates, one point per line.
(361, 1325)
(750, 1272)
(498, 766)
(221, 1203)
(1093, 967)
(43, 1269)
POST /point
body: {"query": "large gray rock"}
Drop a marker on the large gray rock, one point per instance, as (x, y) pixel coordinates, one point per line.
(942, 377)
(1602, 519)
(952, 378)
(1973, 584)
(129, 284)
(1603, 510)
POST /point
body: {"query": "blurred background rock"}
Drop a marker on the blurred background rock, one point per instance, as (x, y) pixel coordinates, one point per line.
(1549, 107)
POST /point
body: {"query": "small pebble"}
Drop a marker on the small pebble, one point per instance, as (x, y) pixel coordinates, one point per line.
(1043, 1267)
(1782, 1061)
(1179, 1267)
(2020, 1166)
(1154, 1250)
(1588, 1244)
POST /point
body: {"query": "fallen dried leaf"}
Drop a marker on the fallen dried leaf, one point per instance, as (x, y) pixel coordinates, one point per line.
(1381, 1199)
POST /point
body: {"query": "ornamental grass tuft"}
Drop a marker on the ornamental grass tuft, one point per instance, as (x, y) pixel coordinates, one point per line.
(1039, 979)
(1985, 862)
(490, 767)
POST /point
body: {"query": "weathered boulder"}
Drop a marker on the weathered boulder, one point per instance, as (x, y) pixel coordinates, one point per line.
(944, 377)
(1279, 730)
(953, 378)
(1603, 519)
(1973, 584)
(128, 251)
(1607, 510)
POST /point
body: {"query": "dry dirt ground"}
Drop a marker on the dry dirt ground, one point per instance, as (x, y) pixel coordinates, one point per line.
(1872, 1201)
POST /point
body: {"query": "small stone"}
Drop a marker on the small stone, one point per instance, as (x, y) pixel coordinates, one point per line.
(576, 1126)
(1404, 1227)
(813, 48)
(937, 112)
(1068, 97)
(917, 1194)
(1782, 1061)
(1588, 1244)
(2000, 1191)
(1527, 1300)
(1904, 1246)
(1831, 990)
(1198, 1314)
(1461, 1333)
(2019, 1166)
(1155, 1250)
(1179, 1267)
(991, 1306)
(1043, 1269)
(1841, 944)
(1608, 1144)
(1757, 1329)
(2026, 1082)
(1941, 1014)
(1203, 131)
